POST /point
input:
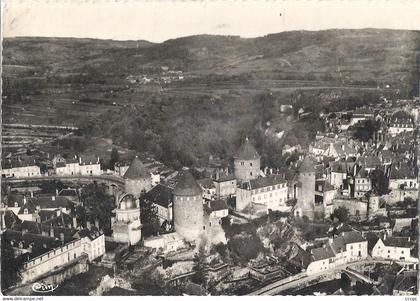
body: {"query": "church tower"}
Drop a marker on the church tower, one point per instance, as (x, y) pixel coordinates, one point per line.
(247, 162)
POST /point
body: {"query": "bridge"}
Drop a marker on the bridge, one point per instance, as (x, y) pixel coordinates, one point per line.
(110, 180)
(302, 278)
(354, 274)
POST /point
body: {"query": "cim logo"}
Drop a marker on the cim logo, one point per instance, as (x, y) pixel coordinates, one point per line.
(43, 288)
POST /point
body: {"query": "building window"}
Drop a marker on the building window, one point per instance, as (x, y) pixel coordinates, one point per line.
(250, 173)
(250, 164)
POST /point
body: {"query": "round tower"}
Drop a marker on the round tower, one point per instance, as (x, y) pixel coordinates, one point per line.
(137, 178)
(188, 207)
(306, 190)
(247, 162)
(127, 226)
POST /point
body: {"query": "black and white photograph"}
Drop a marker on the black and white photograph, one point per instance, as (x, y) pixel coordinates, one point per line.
(209, 148)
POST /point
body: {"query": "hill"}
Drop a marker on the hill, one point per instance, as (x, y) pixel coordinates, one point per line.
(230, 85)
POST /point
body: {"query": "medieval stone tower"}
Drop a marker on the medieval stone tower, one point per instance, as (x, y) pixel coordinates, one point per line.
(247, 162)
(137, 178)
(188, 207)
(127, 226)
(305, 205)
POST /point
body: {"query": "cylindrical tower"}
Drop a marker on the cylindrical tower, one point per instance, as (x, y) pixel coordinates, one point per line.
(247, 162)
(188, 207)
(306, 192)
(137, 178)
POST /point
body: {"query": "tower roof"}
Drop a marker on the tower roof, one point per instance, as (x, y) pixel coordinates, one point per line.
(307, 165)
(247, 151)
(127, 201)
(137, 170)
(187, 185)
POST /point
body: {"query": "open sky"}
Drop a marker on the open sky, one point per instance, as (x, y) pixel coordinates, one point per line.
(157, 21)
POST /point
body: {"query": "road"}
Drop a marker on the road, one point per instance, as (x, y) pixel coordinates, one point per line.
(279, 286)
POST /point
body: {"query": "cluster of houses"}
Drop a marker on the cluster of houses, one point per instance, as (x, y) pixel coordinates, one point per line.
(46, 233)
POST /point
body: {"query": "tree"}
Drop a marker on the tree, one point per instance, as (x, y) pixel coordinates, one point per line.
(341, 213)
(10, 265)
(115, 157)
(148, 217)
(99, 204)
(200, 268)
(380, 182)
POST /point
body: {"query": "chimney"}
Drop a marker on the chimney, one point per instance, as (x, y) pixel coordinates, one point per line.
(385, 235)
(88, 225)
(51, 232)
(80, 160)
(53, 198)
(32, 194)
(330, 240)
(56, 191)
(62, 237)
(74, 222)
(217, 175)
(58, 212)
(24, 200)
(97, 224)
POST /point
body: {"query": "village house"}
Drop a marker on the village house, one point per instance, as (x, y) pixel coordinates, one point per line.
(19, 169)
(400, 121)
(88, 242)
(271, 191)
(362, 182)
(339, 172)
(347, 247)
(79, 166)
(403, 182)
(162, 197)
(225, 184)
(393, 248)
(208, 187)
(340, 150)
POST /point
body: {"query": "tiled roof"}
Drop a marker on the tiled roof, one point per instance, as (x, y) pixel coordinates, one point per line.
(223, 177)
(339, 243)
(307, 165)
(322, 253)
(362, 173)
(217, 205)
(187, 185)
(206, 183)
(369, 161)
(161, 195)
(264, 182)
(137, 170)
(10, 218)
(247, 151)
(394, 241)
(401, 172)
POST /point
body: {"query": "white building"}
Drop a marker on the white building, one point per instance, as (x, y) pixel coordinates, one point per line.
(347, 247)
(90, 243)
(81, 166)
(393, 248)
(400, 122)
(270, 191)
(225, 184)
(19, 169)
